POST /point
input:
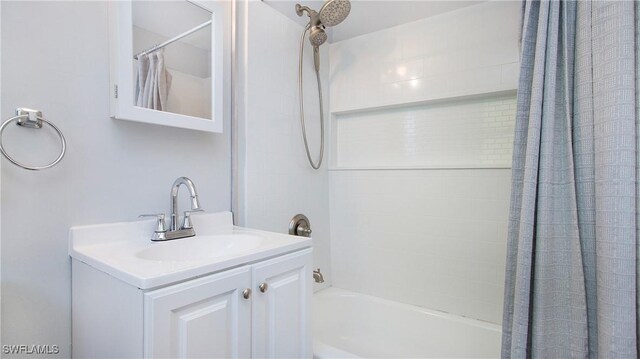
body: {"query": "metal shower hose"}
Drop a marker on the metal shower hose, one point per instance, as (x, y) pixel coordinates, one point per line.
(301, 94)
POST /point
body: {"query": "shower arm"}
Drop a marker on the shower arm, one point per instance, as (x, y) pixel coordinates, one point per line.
(314, 16)
(301, 9)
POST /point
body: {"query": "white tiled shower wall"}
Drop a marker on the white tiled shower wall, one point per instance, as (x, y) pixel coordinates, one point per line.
(276, 182)
(419, 110)
(433, 238)
(463, 133)
(469, 51)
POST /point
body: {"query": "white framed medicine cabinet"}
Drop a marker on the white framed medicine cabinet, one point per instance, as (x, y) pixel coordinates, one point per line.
(188, 35)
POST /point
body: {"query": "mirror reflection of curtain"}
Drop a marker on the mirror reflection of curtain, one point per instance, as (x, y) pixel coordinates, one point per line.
(153, 81)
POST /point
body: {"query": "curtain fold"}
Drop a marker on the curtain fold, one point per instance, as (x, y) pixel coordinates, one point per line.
(153, 81)
(572, 255)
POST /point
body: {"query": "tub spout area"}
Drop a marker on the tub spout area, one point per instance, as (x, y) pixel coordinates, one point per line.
(317, 276)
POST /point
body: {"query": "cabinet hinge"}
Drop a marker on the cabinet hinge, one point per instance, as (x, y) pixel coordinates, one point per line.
(115, 91)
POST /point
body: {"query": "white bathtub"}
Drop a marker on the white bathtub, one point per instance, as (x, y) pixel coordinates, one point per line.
(352, 325)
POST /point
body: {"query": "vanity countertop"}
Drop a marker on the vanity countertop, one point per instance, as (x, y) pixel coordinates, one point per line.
(124, 250)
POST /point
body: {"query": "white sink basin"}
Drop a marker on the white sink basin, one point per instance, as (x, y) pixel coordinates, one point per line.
(124, 250)
(200, 247)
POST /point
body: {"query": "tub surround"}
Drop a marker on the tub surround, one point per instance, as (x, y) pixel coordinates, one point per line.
(419, 173)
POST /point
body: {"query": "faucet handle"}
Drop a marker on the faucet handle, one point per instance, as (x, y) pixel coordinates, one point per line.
(186, 222)
(161, 227)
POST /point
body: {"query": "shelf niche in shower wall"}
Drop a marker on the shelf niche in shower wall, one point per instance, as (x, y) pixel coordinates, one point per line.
(462, 132)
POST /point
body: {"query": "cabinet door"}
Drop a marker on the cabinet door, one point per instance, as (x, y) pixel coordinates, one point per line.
(281, 314)
(202, 318)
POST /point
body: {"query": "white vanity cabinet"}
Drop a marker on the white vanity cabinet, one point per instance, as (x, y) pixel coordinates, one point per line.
(281, 308)
(202, 318)
(259, 310)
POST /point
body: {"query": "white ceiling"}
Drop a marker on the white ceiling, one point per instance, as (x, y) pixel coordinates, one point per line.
(372, 15)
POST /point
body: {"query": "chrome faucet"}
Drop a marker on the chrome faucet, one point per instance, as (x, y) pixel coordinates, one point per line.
(161, 232)
(195, 205)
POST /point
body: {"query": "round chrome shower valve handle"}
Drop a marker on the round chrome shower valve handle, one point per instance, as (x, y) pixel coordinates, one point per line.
(300, 226)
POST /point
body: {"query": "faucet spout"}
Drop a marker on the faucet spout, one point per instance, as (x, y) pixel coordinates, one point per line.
(195, 204)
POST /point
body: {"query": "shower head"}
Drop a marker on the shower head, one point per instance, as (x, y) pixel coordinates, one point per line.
(317, 36)
(334, 12)
(331, 13)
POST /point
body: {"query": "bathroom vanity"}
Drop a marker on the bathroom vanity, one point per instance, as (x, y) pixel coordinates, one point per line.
(227, 292)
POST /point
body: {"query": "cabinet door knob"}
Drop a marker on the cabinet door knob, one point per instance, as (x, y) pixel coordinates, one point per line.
(246, 293)
(263, 287)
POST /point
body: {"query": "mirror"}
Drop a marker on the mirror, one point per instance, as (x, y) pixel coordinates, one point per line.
(167, 63)
(175, 76)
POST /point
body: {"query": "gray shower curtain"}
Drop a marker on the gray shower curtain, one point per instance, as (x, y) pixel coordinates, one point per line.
(153, 81)
(572, 257)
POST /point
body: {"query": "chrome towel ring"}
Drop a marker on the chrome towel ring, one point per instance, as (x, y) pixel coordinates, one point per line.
(33, 119)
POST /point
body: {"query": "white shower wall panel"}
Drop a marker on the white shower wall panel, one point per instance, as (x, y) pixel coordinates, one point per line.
(433, 238)
(422, 127)
(473, 50)
(461, 133)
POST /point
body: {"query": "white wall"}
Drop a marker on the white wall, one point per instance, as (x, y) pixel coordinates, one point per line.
(421, 149)
(113, 171)
(469, 51)
(276, 180)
